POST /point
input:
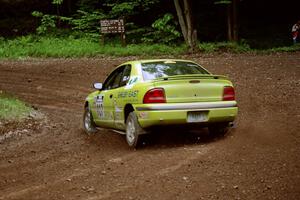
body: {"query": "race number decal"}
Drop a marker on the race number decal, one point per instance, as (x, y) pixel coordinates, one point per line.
(99, 106)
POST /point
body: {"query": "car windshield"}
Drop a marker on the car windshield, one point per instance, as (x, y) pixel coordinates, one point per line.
(153, 70)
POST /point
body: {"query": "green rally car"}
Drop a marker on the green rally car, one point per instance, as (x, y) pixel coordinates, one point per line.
(141, 95)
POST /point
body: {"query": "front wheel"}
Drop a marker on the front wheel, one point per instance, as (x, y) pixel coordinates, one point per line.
(133, 130)
(89, 126)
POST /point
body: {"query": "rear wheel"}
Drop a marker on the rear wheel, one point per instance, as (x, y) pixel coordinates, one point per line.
(219, 129)
(133, 130)
(89, 126)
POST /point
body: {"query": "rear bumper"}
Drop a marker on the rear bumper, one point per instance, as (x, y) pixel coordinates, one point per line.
(150, 115)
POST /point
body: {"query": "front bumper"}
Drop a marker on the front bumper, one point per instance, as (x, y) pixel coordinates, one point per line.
(150, 115)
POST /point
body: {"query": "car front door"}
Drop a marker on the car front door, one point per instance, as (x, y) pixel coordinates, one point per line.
(119, 97)
(104, 114)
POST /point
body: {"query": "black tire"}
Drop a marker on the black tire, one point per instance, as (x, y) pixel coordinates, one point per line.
(133, 130)
(89, 125)
(219, 129)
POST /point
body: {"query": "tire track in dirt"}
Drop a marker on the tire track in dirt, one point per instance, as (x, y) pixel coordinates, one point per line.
(258, 160)
(191, 153)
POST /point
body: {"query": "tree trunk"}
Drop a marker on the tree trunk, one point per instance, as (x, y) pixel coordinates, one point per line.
(185, 21)
(69, 6)
(187, 14)
(229, 23)
(58, 15)
(232, 24)
(234, 21)
(181, 19)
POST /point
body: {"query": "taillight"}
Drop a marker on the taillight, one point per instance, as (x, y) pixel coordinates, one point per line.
(228, 94)
(156, 95)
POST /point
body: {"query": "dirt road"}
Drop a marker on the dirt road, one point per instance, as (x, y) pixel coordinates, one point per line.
(260, 159)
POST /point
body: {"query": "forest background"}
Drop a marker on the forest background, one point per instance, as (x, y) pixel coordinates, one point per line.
(71, 28)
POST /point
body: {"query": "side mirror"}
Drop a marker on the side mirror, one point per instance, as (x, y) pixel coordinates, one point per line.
(98, 86)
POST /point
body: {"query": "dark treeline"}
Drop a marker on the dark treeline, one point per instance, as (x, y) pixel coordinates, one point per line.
(259, 22)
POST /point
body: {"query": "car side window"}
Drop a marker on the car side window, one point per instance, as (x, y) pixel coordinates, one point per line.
(117, 80)
(113, 79)
(126, 75)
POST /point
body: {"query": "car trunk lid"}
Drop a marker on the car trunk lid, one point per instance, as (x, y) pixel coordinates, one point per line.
(193, 88)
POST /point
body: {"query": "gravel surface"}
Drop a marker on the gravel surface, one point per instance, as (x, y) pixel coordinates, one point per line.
(53, 159)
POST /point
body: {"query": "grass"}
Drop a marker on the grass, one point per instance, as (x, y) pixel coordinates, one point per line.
(285, 49)
(224, 46)
(12, 108)
(28, 46)
(242, 48)
(38, 46)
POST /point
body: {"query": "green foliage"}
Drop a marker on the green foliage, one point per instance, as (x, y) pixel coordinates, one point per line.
(86, 19)
(164, 30)
(84, 46)
(30, 46)
(57, 2)
(48, 22)
(87, 22)
(285, 49)
(223, 2)
(123, 9)
(88, 5)
(12, 108)
(129, 7)
(134, 33)
(207, 47)
(224, 46)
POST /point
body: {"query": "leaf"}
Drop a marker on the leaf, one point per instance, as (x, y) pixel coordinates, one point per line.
(226, 2)
(57, 2)
(37, 14)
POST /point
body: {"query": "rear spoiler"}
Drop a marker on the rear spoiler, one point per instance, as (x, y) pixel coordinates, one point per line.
(192, 76)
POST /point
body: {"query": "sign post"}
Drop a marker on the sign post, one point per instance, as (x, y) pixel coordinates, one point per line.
(113, 26)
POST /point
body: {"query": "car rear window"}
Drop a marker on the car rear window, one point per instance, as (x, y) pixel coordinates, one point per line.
(153, 70)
